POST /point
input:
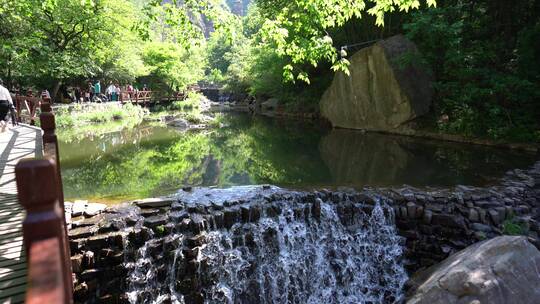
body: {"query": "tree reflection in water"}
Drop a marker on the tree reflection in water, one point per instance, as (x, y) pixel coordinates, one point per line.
(154, 160)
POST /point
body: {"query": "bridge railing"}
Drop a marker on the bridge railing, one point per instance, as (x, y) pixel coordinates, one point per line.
(136, 96)
(146, 97)
(39, 187)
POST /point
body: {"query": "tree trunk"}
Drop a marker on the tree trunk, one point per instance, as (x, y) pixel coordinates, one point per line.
(56, 88)
(9, 82)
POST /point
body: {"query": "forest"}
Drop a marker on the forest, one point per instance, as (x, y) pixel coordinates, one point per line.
(482, 54)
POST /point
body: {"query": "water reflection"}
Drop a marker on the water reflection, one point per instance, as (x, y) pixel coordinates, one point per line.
(150, 160)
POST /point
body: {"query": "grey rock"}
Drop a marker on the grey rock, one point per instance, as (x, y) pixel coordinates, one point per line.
(378, 94)
(154, 221)
(155, 202)
(428, 216)
(481, 227)
(474, 216)
(78, 208)
(93, 209)
(497, 271)
(454, 221)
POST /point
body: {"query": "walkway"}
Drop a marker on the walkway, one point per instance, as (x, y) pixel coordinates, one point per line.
(21, 142)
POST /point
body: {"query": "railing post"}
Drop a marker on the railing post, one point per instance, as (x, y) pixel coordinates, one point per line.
(37, 186)
(50, 148)
(50, 145)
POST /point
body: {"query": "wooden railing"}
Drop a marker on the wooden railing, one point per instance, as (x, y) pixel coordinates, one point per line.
(136, 96)
(39, 186)
(146, 97)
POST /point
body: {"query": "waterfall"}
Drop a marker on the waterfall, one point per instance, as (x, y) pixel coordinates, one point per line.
(334, 254)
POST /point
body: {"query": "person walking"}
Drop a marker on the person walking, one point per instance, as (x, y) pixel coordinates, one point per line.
(111, 91)
(118, 91)
(90, 92)
(45, 94)
(130, 91)
(97, 88)
(77, 92)
(6, 104)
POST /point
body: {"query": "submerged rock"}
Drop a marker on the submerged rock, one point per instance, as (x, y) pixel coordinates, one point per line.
(500, 270)
(385, 89)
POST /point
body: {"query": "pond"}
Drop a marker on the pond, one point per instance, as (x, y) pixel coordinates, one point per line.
(152, 160)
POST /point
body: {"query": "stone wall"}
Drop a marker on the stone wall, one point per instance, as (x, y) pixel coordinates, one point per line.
(434, 223)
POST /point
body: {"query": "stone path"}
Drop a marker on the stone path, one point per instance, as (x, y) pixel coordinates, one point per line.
(21, 142)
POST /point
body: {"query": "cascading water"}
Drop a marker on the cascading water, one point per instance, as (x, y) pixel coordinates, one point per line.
(308, 251)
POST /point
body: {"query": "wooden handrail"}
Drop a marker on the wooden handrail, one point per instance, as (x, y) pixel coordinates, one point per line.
(45, 280)
(37, 185)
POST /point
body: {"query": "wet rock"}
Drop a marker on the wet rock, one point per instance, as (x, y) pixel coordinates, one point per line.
(219, 219)
(81, 291)
(94, 209)
(196, 241)
(155, 221)
(481, 227)
(316, 208)
(231, 217)
(198, 223)
(78, 208)
(82, 232)
(76, 263)
(148, 212)
(428, 216)
(494, 215)
(90, 274)
(105, 240)
(155, 202)
(454, 221)
(474, 216)
(411, 210)
(88, 260)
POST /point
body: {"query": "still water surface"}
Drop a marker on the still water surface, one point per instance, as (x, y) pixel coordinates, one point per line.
(156, 160)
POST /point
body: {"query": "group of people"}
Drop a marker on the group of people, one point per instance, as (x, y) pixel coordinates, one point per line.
(93, 93)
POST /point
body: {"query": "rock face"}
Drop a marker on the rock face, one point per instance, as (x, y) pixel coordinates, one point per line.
(500, 270)
(384, 90)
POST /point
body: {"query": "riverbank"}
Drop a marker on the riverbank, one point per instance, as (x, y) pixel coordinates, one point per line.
(420, 128)
(78, 121)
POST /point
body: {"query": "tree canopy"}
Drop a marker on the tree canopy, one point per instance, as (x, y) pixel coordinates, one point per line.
(483, 53)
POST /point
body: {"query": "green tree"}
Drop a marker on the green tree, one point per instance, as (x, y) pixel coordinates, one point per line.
(173, 65)
(299, 29)
(58, 40)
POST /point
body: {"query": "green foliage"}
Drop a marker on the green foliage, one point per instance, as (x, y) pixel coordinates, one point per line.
(217, 121)
(65, 39)
(160, 230)
(487, 76)
(299, 30)
(512, 227)
(193, 118)
(80, 115)
(175, 66)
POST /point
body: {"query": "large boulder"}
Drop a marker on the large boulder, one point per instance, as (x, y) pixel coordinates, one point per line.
(501, 270)
(386, 88)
